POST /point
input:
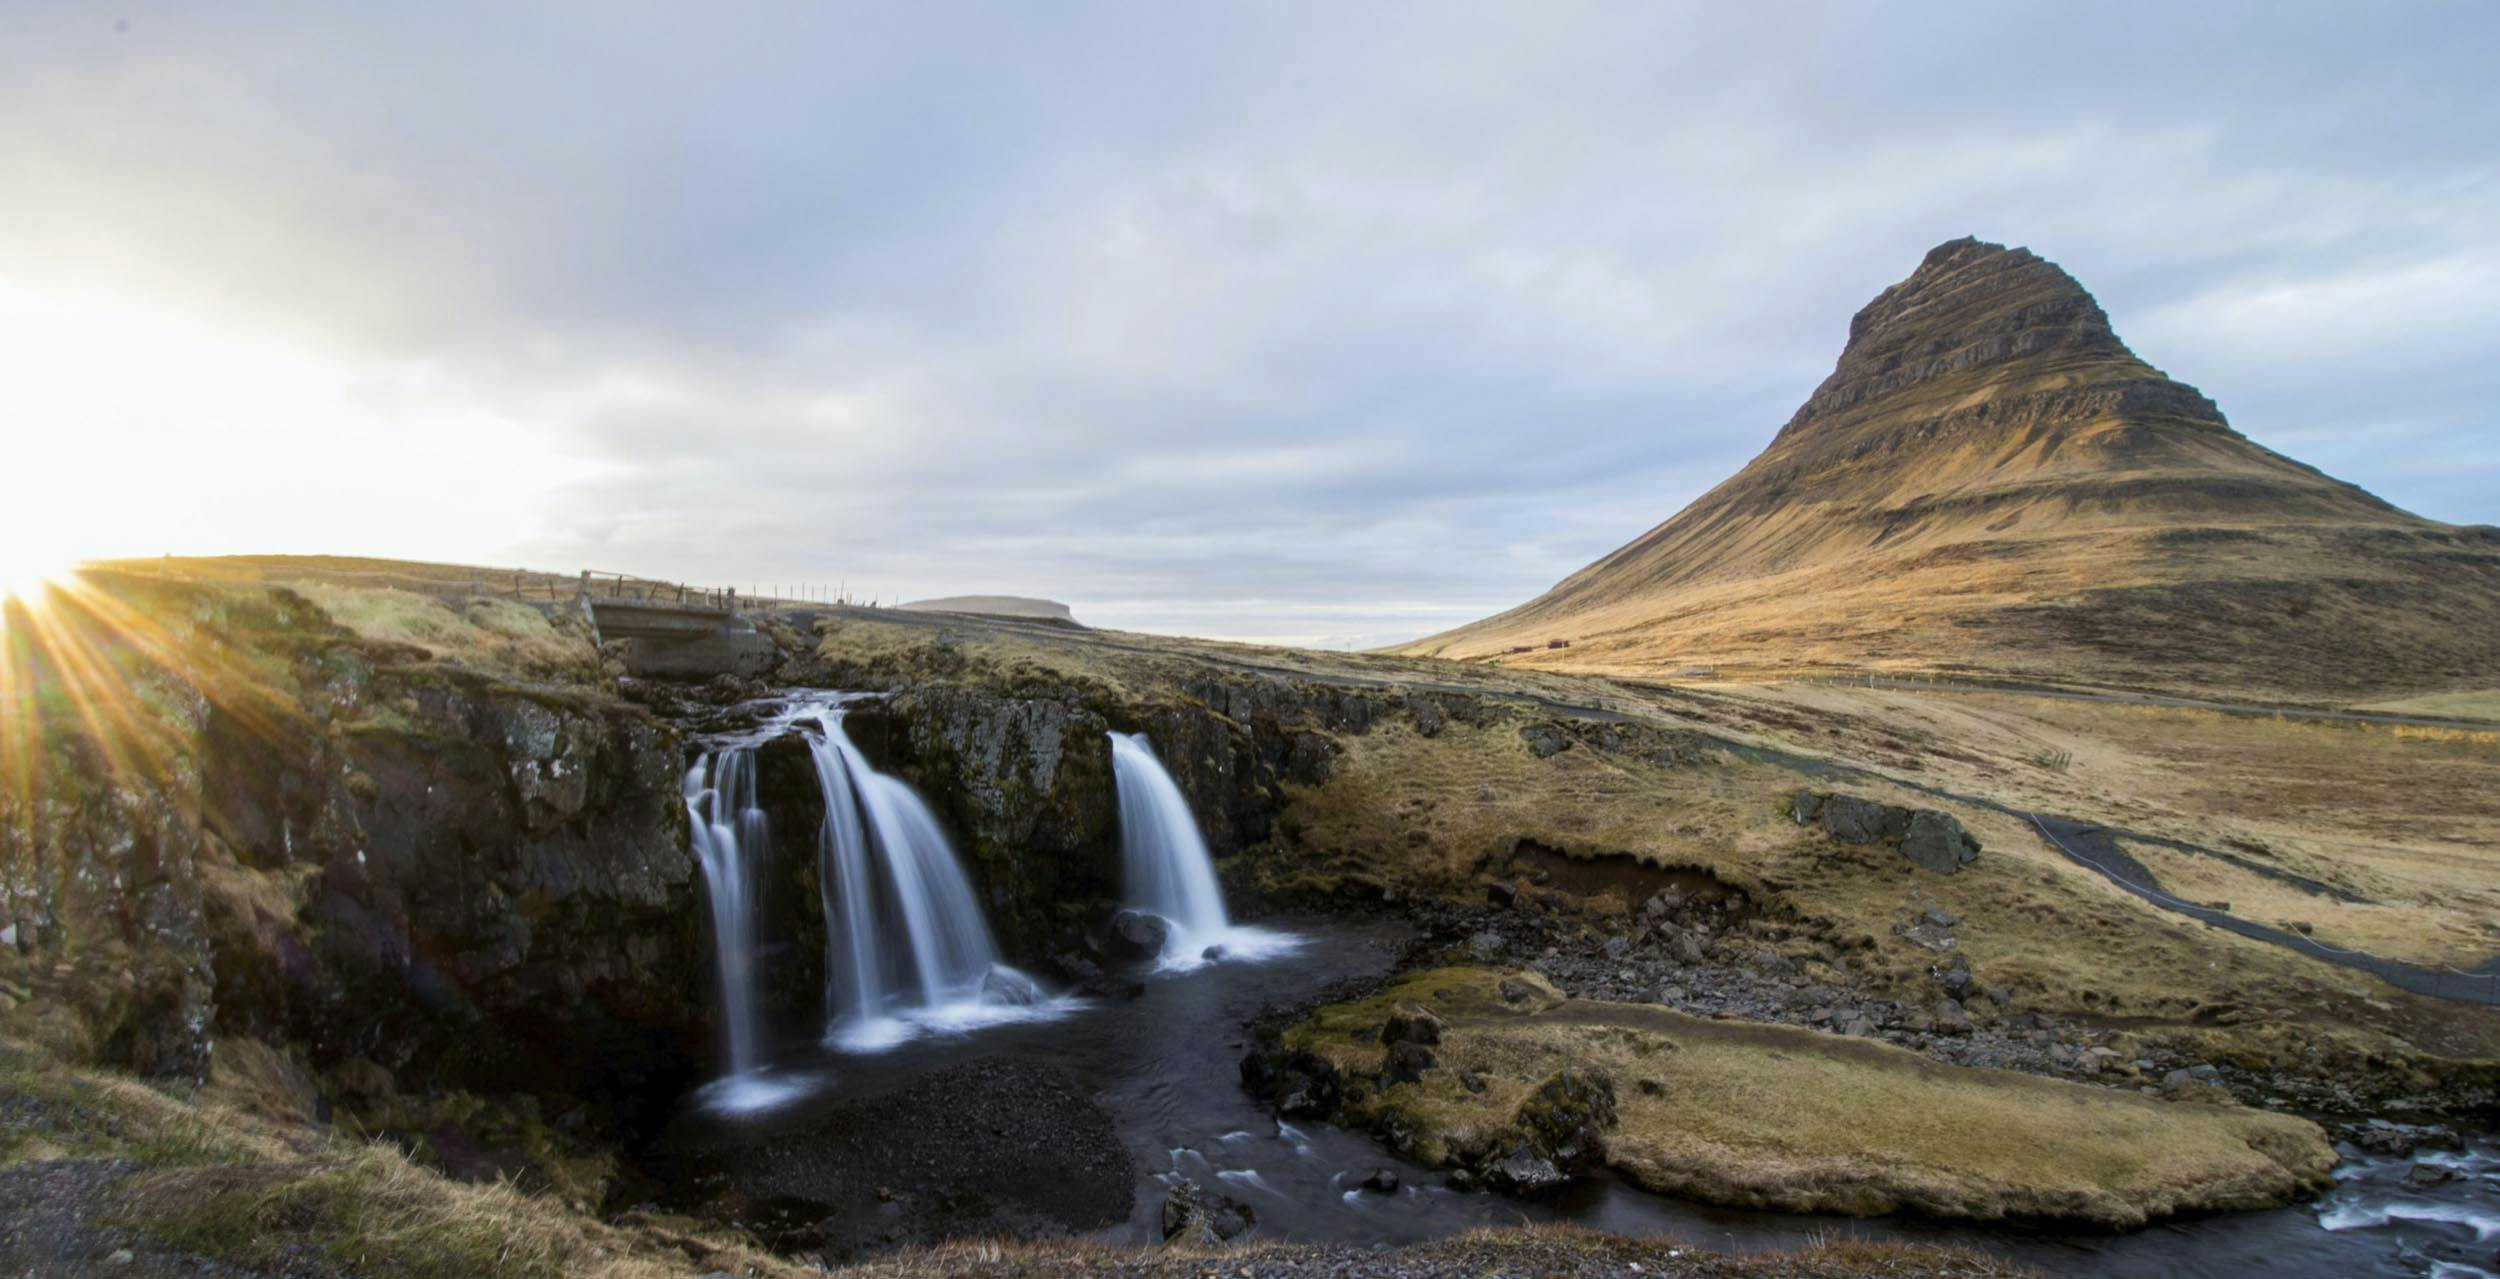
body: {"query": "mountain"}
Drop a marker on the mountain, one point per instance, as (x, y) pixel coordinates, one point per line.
(1991, 482)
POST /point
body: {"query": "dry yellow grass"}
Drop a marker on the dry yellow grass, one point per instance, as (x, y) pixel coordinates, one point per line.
(231, 1182)
(1781, 1117)
(2480, 704)
(499, 637)
(2405, 817)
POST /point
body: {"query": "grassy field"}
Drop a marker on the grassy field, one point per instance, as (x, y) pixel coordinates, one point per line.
(1781, 1117)
(2404, 817)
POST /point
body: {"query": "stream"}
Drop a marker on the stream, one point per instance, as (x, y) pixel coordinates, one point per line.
(1165, 1067)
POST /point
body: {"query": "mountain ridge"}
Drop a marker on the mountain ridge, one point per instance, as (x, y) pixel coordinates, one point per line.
(1991, 451)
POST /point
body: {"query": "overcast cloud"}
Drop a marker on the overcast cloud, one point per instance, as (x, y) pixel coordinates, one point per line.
(1328, 322)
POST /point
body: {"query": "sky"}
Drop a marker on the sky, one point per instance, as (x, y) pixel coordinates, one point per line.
(1331, 323)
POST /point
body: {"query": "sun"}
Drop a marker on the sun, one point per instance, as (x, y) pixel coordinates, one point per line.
(27, 577)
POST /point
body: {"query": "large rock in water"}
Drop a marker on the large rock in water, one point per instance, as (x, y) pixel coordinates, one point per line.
(1135, 934)
(1990, 477)
(1193, 1214)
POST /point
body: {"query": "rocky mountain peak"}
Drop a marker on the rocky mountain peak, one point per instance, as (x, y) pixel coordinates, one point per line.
(1970, 305)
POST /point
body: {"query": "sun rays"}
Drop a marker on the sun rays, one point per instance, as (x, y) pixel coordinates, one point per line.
(92, 670)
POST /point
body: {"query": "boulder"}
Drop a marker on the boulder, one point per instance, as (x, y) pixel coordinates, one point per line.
(1568, 1116)
(1852, 819)
(1936, 841)
(1134, 934)
(1382, 1181)
(1193, 1214)
(1525, 1172)
(1805, 805)
(1545, 740)
(1406, 1064)
(1006, 987)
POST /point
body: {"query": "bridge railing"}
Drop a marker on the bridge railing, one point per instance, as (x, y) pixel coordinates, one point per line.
(597, 584)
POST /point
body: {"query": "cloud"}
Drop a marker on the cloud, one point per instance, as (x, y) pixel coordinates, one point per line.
(1299, 321)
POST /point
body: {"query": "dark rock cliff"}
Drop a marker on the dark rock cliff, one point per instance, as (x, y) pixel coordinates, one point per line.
(287, 833)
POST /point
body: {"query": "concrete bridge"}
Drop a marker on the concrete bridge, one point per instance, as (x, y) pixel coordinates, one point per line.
(672, 631)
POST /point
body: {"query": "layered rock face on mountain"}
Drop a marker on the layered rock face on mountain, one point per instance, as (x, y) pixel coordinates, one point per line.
(1991, 481)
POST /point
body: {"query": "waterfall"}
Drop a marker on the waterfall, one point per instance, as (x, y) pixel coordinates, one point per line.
(1169, 871)
(886, 866)
(906, 946)
(729, 833)
(907, 949)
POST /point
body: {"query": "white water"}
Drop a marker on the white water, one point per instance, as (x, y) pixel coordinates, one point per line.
(729, 833)
(1169, 871)
(908, 950)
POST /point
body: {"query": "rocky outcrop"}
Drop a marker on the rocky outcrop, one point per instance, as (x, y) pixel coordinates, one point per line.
(1930, 838)
(1024, 781)
(338, 845)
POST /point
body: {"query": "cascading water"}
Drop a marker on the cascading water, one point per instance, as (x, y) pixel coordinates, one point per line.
(906, 946)
(729, 832)
(885, 861)
(1169, 871)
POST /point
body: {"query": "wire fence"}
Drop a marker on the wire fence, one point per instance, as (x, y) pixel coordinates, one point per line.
(2436, 980)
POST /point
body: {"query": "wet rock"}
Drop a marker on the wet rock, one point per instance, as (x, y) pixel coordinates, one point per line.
(2425, 1176)
(1568, 1115)
(1193, 1214)
(1525, 1172)
(1935, 840)
(1006, 987)
(1382, 1181)
(1134, 934)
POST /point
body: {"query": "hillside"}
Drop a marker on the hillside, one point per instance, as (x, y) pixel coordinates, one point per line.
(1992, 482)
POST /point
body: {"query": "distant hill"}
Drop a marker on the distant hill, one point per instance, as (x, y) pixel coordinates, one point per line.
(1991, 481)
(998, 606)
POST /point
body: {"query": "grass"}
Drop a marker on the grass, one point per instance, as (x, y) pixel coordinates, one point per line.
(2405, 817)
(223, 1179)
(2475, 704)
(500, 637)
(1779, 1117)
